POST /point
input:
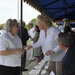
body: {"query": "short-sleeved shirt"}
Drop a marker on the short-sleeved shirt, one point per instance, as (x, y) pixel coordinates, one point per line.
(31, 32)
(8, 42)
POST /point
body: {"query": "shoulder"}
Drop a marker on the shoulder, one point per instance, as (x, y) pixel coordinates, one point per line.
(54, 29)
(4, 35)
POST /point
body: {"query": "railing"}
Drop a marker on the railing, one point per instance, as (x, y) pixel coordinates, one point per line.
(40, 69)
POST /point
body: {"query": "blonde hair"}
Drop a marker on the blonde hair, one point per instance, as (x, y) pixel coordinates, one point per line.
(9, 24)
(46, 19)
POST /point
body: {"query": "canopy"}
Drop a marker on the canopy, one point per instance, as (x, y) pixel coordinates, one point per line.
(57, 9)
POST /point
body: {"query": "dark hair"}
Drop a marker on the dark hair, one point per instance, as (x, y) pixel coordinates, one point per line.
(23, 23)
(38, 30)
(30, 23)
(65, 39)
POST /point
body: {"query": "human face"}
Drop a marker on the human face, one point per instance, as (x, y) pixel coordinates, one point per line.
(35, 28)
(40, 24)
(61, 46)
(15, 29)
(30, 26)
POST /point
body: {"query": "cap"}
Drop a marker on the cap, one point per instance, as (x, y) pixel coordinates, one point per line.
(65, 19)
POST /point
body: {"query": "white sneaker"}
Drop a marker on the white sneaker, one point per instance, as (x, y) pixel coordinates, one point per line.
(31, 59)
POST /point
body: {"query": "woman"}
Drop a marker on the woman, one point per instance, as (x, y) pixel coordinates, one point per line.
(37, 51)
(10, 49)
(48, 42)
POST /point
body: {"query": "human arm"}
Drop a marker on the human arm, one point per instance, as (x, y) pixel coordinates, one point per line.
(7, 49)
(55, 37)
(34, 45)
(55, 46)
(12, 51)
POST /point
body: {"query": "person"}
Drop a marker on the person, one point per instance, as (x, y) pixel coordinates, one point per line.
(37, 51)
(68, 61)
(23, 34)
(61, 28)
(10, 49)
(65, 26)
(66, 22)
(68, 30)
(31, 33)
(48, 42)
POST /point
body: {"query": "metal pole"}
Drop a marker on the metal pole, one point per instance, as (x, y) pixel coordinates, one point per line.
(21, 9)
(18, 10)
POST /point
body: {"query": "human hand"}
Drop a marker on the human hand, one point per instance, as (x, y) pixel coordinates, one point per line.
(48, 52)
(28, 47)
(19, 51)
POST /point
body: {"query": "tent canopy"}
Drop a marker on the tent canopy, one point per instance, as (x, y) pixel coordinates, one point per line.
(57, 9)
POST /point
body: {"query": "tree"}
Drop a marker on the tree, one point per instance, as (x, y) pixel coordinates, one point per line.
(1, 26)
(34, 21)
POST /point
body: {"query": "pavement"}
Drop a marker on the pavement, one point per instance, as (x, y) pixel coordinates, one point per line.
(29, 64)
(29, 67)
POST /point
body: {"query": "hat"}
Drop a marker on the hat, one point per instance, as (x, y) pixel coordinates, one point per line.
(65, 19)
(30, 23)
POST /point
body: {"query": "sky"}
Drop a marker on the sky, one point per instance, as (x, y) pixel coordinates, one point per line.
(9, 9)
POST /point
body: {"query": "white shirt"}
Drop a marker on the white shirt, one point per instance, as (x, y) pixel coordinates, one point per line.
(1, 32)
(66, 49)
(61, 28)
(7, 41)
(50, 43)
(32, 33)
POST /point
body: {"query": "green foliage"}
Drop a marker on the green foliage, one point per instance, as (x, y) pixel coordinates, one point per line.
(34, 21)
(1, 26)
(26, 26)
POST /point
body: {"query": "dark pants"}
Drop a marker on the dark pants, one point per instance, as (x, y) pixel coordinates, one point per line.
(41, 56)
(5, 70)
(23, 61)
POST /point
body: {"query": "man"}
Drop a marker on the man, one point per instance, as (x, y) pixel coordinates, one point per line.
(66, 22)
(31, 34)
(23, 34)
(65, 42)
(65, 26)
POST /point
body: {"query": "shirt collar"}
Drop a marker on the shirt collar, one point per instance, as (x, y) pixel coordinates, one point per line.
(11, 35)
(66, 49)
(48, 30)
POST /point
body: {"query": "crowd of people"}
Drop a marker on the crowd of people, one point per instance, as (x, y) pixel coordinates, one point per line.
(56, 45)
